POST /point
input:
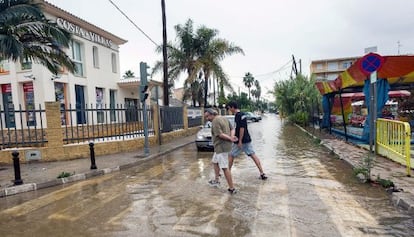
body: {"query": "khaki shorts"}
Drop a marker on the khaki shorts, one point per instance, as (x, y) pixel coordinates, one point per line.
(222, 159)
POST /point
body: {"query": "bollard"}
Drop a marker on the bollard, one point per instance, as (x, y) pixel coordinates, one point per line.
(92, 151)
(16, 164)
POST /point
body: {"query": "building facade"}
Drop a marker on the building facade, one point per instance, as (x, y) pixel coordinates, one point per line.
(329, 69)
(96, 81)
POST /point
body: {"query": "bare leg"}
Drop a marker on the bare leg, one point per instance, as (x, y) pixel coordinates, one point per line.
(257, 162)
(229, 179)
(231, 158)
(216, 171)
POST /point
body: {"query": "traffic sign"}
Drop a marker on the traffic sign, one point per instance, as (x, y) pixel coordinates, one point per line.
(370, 63)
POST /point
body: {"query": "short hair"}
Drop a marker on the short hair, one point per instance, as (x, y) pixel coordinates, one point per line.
(210, 111)
(233, 104)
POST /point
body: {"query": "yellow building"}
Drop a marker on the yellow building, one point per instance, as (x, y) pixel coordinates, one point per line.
(329, 69)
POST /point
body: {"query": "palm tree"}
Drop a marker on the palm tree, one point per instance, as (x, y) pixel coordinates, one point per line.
(128, 74)
(248, 80)
(211, 52)
(258, 90)
(194, 91)
(181, 55)
(25, 33)
(296, 96)
(195, 52)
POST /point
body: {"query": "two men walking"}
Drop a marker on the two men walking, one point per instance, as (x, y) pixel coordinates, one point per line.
(228, 145)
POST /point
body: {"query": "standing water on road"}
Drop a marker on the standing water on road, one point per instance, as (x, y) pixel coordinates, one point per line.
(309, 192)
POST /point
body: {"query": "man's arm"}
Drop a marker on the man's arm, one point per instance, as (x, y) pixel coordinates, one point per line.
(225, 137)
(241, 133)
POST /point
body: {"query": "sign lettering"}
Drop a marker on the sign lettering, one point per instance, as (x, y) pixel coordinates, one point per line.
(77, 30)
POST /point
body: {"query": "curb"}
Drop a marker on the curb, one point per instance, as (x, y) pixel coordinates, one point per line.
(403, 200)
(13, 190)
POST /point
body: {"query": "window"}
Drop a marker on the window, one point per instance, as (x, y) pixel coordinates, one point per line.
(26, 63)
(60, 91)
(29, 103)
(4, 67)
(99, 104)
(346, 65)
(95, 57)
(331, 77)
(112, 104)
(114, 64)
(77, 58)
(332, 66)
(319, 66)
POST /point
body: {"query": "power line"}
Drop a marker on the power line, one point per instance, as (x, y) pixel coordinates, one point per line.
(269, 74)
(277, 70)
(136, 26)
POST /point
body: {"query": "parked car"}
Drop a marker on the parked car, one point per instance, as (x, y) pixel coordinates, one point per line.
(203, 137)
(253, 117)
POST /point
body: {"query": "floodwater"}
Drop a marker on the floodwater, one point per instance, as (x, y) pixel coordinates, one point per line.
(309, 193)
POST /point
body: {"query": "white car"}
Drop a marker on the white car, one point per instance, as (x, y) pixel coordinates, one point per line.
(253, 117)
(203, 138)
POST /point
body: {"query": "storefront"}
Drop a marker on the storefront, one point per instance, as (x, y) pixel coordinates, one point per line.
(27, 85)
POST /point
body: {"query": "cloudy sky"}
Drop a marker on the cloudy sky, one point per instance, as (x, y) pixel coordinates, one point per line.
(269, 31)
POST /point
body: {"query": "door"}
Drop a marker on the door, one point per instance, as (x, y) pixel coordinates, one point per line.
(131, 109)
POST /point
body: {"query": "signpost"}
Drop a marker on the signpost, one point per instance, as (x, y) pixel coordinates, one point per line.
(370, 64)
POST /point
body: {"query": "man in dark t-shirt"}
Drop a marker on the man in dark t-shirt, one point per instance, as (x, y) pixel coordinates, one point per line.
(244, 141)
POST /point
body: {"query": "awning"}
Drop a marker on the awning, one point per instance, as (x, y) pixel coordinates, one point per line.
(392, 94)
(396, 69)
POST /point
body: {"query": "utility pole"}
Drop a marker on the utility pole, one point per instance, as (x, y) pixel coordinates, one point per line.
(294, 67)
(164, 55)
(143, 95)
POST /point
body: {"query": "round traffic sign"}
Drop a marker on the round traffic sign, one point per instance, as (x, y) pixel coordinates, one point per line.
(371, 62)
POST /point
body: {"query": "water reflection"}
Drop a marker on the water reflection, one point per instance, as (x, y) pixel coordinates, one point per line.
(309, 193)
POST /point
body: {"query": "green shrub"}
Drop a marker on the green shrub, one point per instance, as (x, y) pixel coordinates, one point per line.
(64, 175)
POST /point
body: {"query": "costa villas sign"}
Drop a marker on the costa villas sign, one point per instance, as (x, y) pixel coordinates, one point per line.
(77, 30)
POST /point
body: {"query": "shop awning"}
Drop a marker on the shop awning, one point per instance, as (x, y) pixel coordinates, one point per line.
(391, 94)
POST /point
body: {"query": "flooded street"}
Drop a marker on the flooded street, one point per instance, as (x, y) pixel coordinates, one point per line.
(309, 193)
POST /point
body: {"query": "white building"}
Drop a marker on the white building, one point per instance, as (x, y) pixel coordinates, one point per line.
(96, 81)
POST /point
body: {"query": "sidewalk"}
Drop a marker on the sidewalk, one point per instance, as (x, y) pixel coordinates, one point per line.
(383, 167)
(44, 174)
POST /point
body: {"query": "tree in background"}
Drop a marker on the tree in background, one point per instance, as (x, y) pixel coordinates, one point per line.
(211, 52)
(256, 93)
(248, 81)
(295, 98)
(195, 52)
(25, 33)
(222, 97)
(182, 56)
(128, 74)
(194, 91)
(242, 100)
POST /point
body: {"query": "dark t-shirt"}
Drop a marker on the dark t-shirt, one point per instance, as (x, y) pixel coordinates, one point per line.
(241, 122)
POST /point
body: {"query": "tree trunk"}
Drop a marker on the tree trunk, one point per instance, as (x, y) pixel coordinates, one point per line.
(206, 78)
(214, 92)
